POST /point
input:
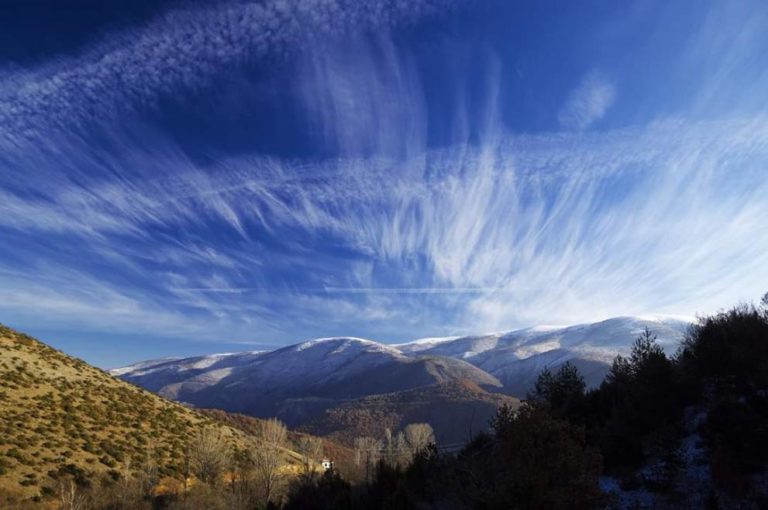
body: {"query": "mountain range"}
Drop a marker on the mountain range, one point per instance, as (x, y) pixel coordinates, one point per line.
(348, 385)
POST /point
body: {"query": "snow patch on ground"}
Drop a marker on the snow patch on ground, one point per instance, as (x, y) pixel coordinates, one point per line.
(428, 341)
(527, 351)
(140, 365)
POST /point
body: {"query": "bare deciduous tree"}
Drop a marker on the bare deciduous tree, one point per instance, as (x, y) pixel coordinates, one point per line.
(418, 436)
(209, 455)
(149, 474)
(128, 490)
(402, 452)
(389, 447)
(311, 449)
(395, 451)
(268, 456)
(69, 496)
(367, 454)
(243, 484)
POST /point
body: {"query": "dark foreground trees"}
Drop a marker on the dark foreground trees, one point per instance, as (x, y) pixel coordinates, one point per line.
(725, 361)
(654, 413)
(532, 460)
(320, 492)
(653, 423)
(544, 462)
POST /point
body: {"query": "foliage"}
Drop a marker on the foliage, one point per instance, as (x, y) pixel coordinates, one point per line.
(637, 416)
(639, 396)
(311, 492)
(562, 393)
(544, 462)
(725, 357)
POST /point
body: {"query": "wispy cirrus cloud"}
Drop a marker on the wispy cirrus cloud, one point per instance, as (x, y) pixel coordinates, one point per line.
(514, 231)
(588, 102)
(182, 49)
(388, 234)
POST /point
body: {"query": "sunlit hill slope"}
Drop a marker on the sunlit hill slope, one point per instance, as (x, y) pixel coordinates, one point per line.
(60, 417)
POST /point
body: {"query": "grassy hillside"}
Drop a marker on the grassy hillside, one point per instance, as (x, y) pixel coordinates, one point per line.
(60, 417)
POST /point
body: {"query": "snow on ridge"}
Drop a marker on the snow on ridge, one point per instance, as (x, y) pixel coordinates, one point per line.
(648, 317)
(345, 342)
(181, 364)
(225, 354)
(342, 339)
(659, 317)
(594, 339)
(141, 365)
(600, 340)
(543, 328)
(208, 360)
(428, 340)
(526, 351)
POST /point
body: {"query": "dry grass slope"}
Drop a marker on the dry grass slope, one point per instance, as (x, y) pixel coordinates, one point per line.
(60, 417)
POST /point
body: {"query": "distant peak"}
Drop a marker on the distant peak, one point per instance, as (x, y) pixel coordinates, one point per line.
(429, 340)
(343, 342)
(546, 327)
(659, 317)
(334, 339)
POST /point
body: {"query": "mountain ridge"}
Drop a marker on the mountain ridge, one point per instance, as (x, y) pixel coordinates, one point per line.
(516, 345)
(307, 382)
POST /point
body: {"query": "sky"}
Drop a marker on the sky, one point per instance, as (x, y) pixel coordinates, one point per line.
(180, 178)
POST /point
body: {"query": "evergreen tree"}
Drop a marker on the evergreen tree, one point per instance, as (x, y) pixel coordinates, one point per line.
(563, 393)
(544, 462)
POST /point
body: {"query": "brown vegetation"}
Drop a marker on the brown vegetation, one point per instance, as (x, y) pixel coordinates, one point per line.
(456, 410)
(67, 428)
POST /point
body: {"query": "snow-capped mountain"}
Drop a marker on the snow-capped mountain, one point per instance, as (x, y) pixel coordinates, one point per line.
(162, 375)
(137, 367)
(302, 381)
(611, 337)
(517, 357)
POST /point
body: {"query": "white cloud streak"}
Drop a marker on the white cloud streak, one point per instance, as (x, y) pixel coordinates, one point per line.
(588, 103)
(181, 49)
(667, 218)
(556, 227)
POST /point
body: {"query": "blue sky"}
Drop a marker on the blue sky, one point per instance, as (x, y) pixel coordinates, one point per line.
(180, 178)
